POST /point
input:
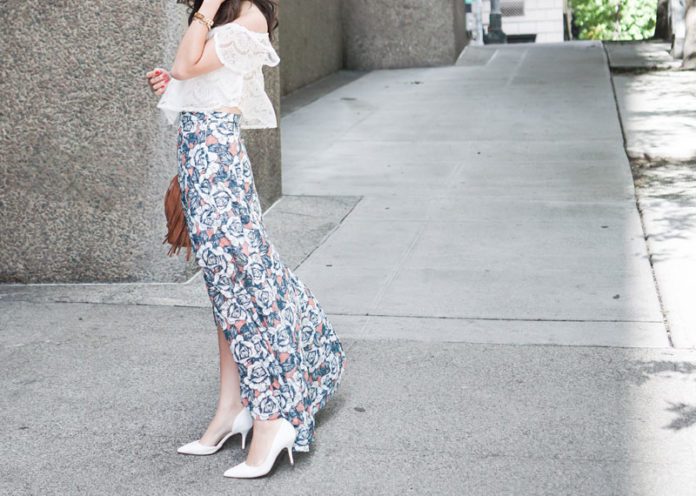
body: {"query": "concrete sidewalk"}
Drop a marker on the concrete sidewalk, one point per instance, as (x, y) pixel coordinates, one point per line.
(658, 115)
(483, 262)
(494, 194)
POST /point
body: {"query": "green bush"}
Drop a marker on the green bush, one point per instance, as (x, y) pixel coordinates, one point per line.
(614, 19)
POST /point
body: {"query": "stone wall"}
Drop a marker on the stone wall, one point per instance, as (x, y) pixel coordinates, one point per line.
(402, 33)
(312, 45)
(321, 37)
(87, 156)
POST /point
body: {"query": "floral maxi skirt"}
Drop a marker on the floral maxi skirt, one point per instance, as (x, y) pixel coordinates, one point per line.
(290, 359)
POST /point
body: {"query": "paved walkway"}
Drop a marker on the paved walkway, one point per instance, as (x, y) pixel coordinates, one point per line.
(486, 268)
(658, 114)
(498, 203)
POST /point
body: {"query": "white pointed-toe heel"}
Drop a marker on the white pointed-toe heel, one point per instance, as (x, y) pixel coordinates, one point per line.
(242, 425)
(284, 439)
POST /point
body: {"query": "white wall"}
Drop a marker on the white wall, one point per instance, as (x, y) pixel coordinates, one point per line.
(541, 17)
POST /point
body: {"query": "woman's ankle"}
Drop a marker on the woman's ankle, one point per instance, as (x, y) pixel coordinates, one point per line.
(229, 408)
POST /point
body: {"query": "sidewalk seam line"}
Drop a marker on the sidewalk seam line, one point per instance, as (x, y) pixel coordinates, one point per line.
(497, 319)
(367, 314)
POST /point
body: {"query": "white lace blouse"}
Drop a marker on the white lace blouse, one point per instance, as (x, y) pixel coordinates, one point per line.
(239, 83)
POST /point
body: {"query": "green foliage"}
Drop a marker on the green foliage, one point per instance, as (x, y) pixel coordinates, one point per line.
(614, 19)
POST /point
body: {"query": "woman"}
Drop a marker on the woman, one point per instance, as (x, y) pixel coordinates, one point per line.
(280, 359)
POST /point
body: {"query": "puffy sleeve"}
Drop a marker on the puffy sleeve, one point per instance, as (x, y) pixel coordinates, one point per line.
(243, 50)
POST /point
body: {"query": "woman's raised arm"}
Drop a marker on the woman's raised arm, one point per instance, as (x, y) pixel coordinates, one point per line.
(194, 56)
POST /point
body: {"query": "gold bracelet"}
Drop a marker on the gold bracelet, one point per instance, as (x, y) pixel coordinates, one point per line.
(204, 20)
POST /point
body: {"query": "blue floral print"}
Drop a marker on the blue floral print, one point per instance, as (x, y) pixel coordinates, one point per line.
(290, 359)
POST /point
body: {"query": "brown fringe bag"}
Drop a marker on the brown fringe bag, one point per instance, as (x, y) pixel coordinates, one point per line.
(177, 232)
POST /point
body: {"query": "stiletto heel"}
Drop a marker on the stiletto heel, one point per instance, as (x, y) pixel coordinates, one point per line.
(242, 424)
(244, 435)
(284, 438)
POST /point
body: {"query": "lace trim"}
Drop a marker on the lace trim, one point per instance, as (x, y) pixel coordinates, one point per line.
(242, 50)
(257, 109)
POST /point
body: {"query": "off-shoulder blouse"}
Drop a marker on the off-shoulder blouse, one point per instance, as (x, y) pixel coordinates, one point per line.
(239, 83)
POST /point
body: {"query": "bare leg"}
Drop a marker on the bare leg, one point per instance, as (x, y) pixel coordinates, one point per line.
(230, 402)
(264, 432)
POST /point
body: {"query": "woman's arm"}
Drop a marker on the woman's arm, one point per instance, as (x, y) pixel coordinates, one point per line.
(194, 56)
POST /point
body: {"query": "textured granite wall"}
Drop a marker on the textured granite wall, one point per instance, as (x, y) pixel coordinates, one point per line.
(263, 145)
(402, 33)
(312, 41)
(86, 154)
(459, 27)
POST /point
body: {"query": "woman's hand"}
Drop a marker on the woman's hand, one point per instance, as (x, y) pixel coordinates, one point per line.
(158, 79)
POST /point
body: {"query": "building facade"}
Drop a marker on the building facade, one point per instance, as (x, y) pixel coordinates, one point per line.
(539, 21)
